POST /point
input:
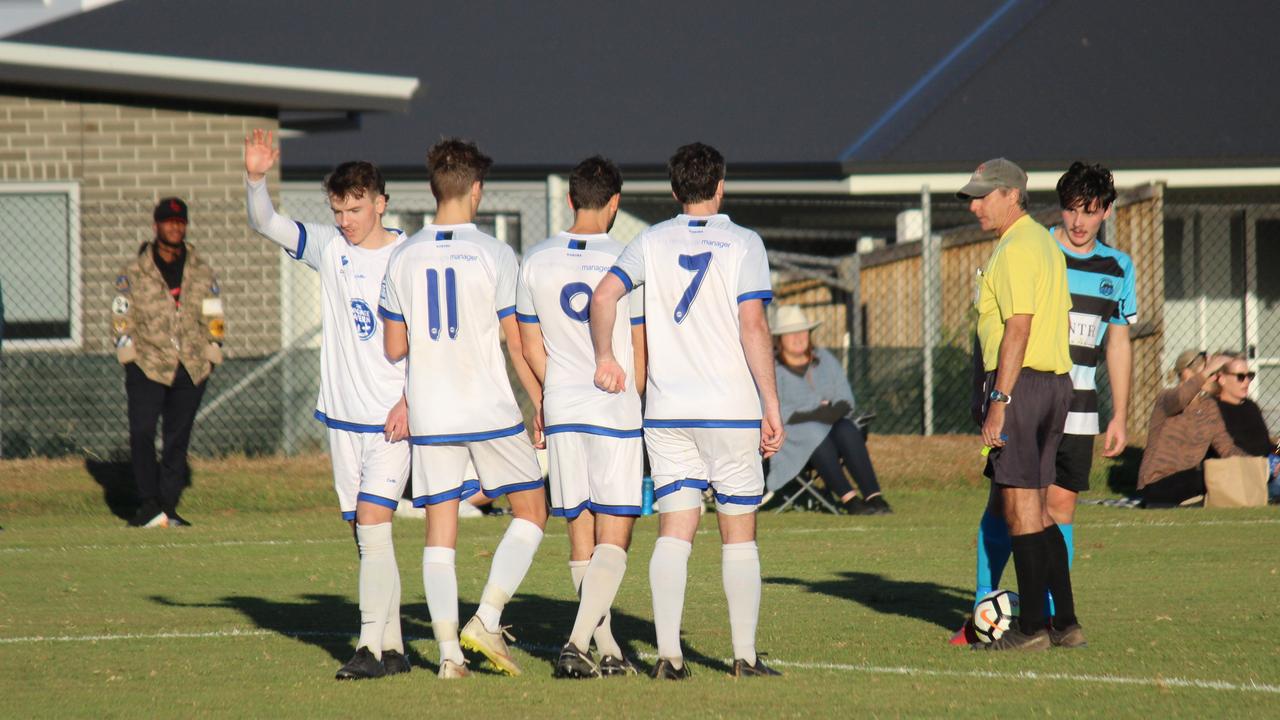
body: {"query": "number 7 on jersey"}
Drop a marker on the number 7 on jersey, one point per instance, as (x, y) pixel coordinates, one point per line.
(698, 264)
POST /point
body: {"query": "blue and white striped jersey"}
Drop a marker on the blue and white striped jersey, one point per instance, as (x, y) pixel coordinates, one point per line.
(696, 271)
(1102, 294)
(557, 279)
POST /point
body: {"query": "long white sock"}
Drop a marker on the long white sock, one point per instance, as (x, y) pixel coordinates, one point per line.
(391, 637)
(440, 579)
(603, 634)
(510, 563)
(740, 566)
(599, 587)
(668, 574)
(378, 579)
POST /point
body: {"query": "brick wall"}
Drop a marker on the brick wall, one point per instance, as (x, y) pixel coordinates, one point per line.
(125, 157)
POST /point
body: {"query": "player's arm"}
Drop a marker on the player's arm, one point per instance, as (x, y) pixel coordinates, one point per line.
(260, 155)
(610, 376)
(640, 352)
(1120, 372)
(757, 346)
(534, 350)
(395, 339)
(524, 372)
(1013, 349)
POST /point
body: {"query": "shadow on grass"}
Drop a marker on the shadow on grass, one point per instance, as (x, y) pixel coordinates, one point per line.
(938, 604)
(118, 489)
(541, 624)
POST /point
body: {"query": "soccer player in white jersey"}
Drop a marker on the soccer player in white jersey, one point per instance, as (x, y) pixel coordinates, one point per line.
(447, 293)
(711, 403)
(361, 392)
(594, 443)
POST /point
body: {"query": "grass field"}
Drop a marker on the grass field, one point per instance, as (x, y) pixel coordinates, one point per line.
(249, 613)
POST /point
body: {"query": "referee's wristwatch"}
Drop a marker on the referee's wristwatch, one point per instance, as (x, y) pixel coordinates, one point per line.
(997, 396)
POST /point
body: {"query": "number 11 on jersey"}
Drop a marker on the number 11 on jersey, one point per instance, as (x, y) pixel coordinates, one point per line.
(450, 302)
(698, 264)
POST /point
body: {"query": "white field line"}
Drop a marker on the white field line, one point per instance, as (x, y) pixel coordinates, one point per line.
(1027, 675)
(779, 531)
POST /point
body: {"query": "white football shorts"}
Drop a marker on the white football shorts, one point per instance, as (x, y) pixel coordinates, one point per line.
(594, 472)
(686, 461)
(505, 464)
(367, 468)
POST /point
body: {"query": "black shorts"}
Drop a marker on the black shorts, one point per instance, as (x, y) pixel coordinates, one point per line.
(1033, 425)
(1075, 462)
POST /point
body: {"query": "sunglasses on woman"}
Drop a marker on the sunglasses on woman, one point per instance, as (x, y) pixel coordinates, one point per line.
(1241, 377)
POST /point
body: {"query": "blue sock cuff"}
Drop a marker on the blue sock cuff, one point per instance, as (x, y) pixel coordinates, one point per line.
(1069, 537)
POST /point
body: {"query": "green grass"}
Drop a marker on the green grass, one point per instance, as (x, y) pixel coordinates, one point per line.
(248, 614)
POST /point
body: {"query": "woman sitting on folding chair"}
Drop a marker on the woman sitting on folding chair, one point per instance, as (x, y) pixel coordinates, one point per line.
(817, 407)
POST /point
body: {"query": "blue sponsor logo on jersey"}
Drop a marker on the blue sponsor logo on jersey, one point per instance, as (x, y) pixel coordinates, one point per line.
(1107, 287)
(366, 325)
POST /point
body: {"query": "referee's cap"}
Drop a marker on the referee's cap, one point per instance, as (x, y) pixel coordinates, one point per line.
(992, 174)
(170, 208)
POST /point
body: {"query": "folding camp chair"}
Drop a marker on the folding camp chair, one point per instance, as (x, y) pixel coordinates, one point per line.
(805, 484)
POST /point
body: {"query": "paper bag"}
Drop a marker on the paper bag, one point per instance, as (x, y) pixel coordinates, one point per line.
(1235, 482)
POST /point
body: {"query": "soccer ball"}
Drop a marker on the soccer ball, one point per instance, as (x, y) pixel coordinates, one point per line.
(994, 613)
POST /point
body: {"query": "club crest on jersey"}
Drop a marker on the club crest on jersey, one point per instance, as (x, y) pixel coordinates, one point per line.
(1107, 287)
(365, 323)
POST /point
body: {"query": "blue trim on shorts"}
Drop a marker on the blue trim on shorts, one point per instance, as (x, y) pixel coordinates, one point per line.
(765, 295)
(694, 483)
(466, 437)
(526, 319)
(570, 513)
(377, 500)
(388, 315)
(462, 492)
(509, 310)
(592, 430)
(623, 276)
(348, 515)
(731, 424)
(616, 510)
(348, 426)
(513, 487)
(738, 499)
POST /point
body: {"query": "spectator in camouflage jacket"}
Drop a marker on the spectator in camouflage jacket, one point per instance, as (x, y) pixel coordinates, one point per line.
(168, 324)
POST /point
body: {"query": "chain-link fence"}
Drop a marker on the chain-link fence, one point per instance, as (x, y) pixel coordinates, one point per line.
(891, 279)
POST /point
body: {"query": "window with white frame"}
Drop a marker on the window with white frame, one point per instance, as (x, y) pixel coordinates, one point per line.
(40, 265)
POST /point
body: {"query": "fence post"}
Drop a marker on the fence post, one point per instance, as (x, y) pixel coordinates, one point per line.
(931, 300)
(850, 273)
(557, 209)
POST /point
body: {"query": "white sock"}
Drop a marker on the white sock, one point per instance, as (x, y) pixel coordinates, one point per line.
(599, 587)
(740, 565)
(668, 573)
(510, 562)
(378, 580)
(440, 579)
(603, 634)
(391, 637)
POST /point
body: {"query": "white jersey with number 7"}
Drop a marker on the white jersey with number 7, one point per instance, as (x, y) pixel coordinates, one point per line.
(450, 284)
(696, 271)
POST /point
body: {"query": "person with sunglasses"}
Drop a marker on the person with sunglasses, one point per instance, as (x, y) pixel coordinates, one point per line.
(1185, 422)
(1242, 416)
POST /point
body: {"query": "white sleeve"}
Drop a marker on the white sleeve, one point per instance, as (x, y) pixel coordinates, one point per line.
(753, 275)
(629, 267)
(637, 306)
(504, 297)
(525, 311)
(389, 303)
(301, 241)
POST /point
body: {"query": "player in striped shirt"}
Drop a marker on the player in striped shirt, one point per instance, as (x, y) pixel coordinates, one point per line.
(449, 293)
(711, 403)
(594, 443)
(361, 392)
(1103, 308)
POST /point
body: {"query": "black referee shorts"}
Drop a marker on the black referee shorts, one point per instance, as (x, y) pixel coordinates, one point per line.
(1033, 425)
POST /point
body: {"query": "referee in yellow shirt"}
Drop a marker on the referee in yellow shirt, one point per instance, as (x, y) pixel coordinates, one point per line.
(1023, 303)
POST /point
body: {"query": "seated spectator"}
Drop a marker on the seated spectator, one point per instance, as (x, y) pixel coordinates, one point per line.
(1242, 416)
(1185, 423)
(817, 404)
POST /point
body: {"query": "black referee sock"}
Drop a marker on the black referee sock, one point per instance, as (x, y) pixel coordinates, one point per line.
(1031, 566)
(1059, 578)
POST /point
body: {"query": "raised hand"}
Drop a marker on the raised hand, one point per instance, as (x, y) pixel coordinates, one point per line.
(260, 154)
